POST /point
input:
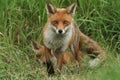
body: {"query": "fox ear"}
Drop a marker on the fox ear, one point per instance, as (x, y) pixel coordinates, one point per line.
(35, 45)
(50, 8)
(71, 9)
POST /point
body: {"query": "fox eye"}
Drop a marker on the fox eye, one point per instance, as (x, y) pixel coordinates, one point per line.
(55, 22)
(38, 56)
(65, 22)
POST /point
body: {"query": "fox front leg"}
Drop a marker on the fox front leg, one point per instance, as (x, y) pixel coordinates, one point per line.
(49, 63)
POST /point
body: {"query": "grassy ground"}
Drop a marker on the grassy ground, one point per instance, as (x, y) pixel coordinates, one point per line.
(22, 20)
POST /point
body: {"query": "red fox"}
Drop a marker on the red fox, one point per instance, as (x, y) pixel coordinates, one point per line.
(39, 51)
(61, 32)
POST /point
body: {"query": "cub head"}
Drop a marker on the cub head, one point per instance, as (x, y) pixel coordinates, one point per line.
(39, 51)
(60, 20)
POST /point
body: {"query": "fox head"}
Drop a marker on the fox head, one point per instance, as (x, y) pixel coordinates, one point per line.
(60, 20)
(39, 51)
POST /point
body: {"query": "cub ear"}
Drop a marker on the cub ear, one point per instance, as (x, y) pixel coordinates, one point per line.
(71, 9)
(35, 45)
(50, 8)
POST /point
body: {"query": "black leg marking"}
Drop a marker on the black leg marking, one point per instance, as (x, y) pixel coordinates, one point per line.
(50, 68)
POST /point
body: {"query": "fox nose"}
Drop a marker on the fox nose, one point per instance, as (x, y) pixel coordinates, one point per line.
(60, 31)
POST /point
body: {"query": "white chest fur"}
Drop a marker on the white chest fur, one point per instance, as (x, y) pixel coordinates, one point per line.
(57, 41)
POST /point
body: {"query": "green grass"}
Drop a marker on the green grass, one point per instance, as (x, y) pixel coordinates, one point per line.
(22, 21)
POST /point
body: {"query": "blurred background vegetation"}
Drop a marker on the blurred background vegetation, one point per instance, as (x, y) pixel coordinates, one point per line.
(21, 21)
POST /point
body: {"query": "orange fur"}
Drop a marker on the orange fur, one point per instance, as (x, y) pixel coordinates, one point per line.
(61, 32)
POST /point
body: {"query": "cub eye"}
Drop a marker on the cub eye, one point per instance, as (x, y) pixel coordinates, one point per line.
(38, 56)
(55, 22)
(65, 22)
